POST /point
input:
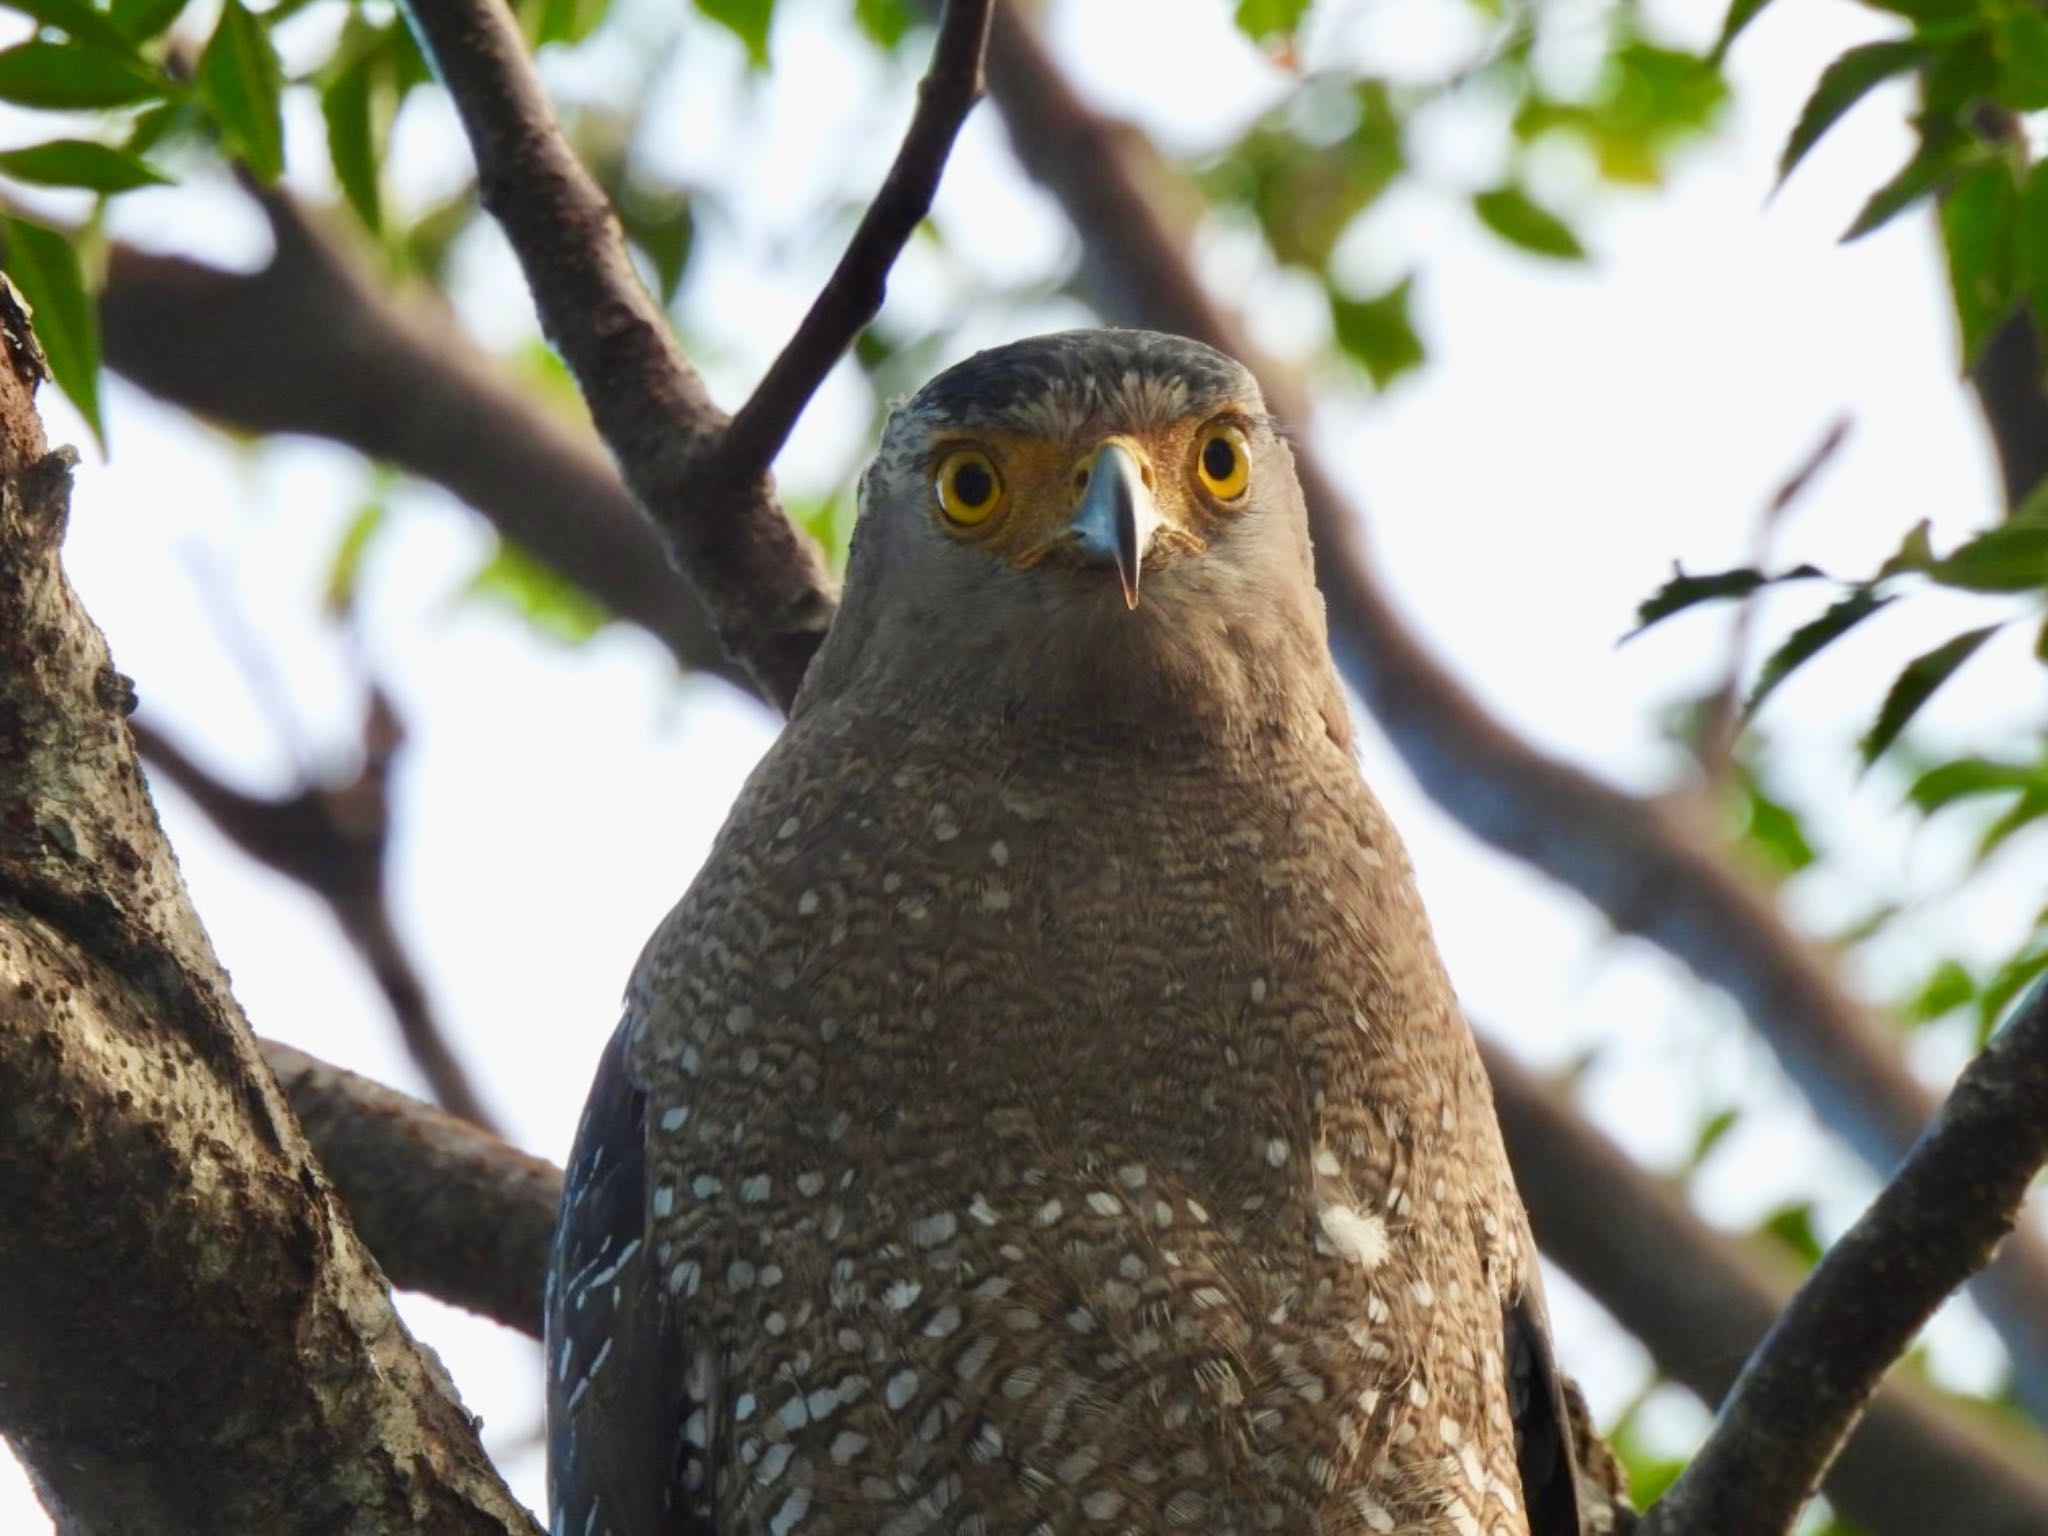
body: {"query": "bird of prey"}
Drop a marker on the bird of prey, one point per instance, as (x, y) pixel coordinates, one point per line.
(1046, 1112)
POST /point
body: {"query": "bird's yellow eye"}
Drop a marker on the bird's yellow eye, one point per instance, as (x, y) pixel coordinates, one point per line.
(968, 487)
(1223, 463)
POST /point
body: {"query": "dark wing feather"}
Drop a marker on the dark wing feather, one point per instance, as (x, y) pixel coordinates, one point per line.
(615, 1405)
(1543, 1433)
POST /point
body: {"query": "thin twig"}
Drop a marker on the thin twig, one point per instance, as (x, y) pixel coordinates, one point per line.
(853, 295)
(1936, 1223)
(1700, 1301)
(334, 839)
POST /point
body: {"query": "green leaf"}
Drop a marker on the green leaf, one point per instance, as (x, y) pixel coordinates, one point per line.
(1378, 332)
(240, 83)
(1946, 783)
(1682, 591)
(141, 20)
(1915, 552)
(1521, 221)
(1306, 191)
(1810, 639)
(1712, 1134)
(748, 20)
(1740, 14)
(68, 77)
(1928, 12)
(1792, 1226)
(560, 21)
(660, 221)
(2019, 41)
(1773, 829)
(81, 21)
(2030, 242)
(346, 108)
(884, 21)
(2029, 808)
(514, 579)
(344, 570)
(1260, 20)
(78, 163)
(2013, 557)
(153, 125)
(1947, 989)
(2006, 983)
(1917, 684)
(1935, 159)
(1842, 84)
(1978, 220)
(44, 266)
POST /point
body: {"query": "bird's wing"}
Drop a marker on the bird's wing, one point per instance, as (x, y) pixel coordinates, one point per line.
(1544, 1444)
(614, 1380)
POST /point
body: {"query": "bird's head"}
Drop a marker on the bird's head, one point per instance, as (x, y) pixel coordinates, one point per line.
(1089, 512)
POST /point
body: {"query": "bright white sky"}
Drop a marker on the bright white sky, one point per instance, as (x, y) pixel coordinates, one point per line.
(1577, 430)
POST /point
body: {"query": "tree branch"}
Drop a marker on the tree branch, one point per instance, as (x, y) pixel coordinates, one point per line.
(193, 1338)
(1933, 1226)
(334, 839)
(2007, 380)
(853, 295)
(1699, 1302)
(307, 345)
(447, 1208)
(1643, 863)
(760, 579)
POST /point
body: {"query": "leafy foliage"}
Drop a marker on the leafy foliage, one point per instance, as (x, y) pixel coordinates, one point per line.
(241, 83)
(45, 268)
(1981, 66)
(514, 580)
(1314, 170)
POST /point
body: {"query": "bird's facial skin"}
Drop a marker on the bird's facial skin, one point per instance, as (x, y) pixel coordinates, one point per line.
(1099, 525)
(1128, 501)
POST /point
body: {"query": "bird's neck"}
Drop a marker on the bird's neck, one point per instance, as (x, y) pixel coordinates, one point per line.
(1173, 681)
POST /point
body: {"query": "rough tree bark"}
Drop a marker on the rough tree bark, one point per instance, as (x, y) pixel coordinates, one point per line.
(193, 1338)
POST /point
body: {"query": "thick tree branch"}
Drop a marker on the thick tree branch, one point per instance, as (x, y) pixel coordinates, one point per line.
(334, 839)
(1931, 1227)
(447, 1208)
(1643, 863)
(306, 344)
(193, 1339)
(761, 581)
(1699, 1302)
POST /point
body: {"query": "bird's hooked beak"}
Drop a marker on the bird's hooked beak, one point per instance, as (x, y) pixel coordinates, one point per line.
(1117, 517)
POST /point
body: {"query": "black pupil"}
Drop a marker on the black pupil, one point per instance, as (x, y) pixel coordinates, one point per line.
(973, 484)
(1219, 458)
